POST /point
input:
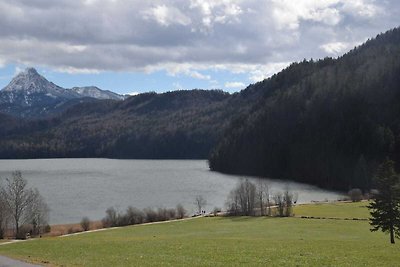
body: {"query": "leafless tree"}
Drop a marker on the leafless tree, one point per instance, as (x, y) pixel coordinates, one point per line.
(37, 212)
(180, 211)
(111, 218)
(263, 196)
(18, 198)
(288, 199)
(280, 204)
(200, 202)
(284, 202)
(4, 214)
(241, 200)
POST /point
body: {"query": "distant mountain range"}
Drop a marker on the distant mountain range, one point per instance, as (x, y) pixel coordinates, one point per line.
(328, 122)
(30, 95)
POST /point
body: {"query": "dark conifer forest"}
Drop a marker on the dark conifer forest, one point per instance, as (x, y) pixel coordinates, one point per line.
(327, 122)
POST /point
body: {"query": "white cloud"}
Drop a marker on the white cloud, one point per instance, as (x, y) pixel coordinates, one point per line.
(166, 16)
(335, 48)
(72, 70)
(288, 13)
(198, 75)
(362, 8)
(339, 48)
(234, 85)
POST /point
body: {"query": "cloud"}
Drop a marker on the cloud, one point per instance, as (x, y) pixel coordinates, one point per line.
(234, 85)
(335, 47)
(185, 37)
(167, 15)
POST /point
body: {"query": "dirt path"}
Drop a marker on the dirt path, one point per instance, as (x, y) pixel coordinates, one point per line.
(136, 225)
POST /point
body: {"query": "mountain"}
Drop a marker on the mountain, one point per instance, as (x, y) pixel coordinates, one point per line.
(95, 92)
(30, 95)
(328, 122)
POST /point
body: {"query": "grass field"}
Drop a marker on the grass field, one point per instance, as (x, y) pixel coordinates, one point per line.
(334, 210)
(223, 242)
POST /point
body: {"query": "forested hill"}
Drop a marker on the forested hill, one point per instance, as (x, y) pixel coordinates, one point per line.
(181, 124)
(328, 122)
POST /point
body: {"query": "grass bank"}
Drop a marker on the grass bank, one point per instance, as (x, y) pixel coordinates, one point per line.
(223, 242)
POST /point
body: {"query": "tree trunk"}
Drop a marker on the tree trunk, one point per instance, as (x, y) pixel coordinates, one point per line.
(391, 235)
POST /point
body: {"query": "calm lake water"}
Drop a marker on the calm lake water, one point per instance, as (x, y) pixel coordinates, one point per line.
(74, 188)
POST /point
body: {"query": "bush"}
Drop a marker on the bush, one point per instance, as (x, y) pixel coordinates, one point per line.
(134, 216)
(171, 214)
(111, 218)
(355, 194)
(85, 224)
(47, 229)
(22, 233)
(150, 214)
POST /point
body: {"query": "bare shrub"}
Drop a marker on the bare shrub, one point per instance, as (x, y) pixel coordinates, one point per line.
(134, 216)
(150, 215)
(355, 195)
(180, 211)
(85, 224)
(171, 214)
(111, 219)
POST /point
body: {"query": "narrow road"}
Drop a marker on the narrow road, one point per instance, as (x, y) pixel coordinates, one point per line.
(7, 262)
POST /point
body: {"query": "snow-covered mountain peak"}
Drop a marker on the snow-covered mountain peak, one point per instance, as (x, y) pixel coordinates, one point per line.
(30, 81)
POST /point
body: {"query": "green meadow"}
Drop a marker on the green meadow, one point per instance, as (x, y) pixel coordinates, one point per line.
(224, 241)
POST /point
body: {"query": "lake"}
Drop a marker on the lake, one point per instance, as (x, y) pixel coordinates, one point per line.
(75, 188)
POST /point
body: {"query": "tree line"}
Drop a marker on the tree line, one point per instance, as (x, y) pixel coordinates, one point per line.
(22, 209)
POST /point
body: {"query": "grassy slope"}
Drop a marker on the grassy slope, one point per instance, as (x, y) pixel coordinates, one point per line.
(220, 242)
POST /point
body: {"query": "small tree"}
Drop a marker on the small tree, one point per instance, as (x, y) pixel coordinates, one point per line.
(288, 198)
(384, 208)
(200, 202)
(280, 204)
(111, 218)
(263, 195)
(85, 224)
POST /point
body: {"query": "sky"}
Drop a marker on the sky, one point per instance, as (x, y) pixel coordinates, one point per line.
(132, 46)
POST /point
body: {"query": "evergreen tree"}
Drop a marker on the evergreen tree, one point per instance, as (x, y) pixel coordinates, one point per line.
(385, 208)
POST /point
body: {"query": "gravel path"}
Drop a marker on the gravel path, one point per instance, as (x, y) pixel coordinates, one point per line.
(7, 262)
